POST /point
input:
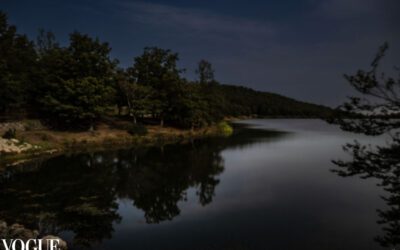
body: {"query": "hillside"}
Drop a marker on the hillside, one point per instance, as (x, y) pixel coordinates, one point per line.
(242, 101)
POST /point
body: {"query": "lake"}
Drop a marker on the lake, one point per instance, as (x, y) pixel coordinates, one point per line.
(269, 186)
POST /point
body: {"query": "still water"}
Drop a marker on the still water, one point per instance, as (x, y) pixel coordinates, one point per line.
(269, 186)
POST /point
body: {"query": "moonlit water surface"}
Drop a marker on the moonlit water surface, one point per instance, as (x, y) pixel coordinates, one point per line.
(269, 186)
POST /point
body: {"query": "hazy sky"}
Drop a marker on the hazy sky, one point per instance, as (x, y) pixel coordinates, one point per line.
(296, 48)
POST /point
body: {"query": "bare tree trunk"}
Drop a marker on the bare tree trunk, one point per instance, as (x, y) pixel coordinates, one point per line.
(91, 128)
(119, 110)
(131, 113)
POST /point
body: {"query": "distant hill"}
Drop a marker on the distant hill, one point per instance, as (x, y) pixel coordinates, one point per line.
(241, 101)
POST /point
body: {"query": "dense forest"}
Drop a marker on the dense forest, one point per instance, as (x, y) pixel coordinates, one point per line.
(77, 85)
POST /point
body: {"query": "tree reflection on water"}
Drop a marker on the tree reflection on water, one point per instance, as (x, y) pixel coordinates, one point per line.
(382, 163)
(79, 193)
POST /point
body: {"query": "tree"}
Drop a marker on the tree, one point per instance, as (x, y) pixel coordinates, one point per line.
(45, 41)
(205, 72)
(135, 96)
(121, 82)
(379, 107)
(17, 68)
(79, 82)
(192, 109)
(77, 103)
(157, 70)
(90, 57)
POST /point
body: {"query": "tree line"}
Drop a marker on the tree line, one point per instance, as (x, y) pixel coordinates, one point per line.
(74, 86)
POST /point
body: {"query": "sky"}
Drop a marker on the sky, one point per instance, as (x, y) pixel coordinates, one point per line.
(297, 48)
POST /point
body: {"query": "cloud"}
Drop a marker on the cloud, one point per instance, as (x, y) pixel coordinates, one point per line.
(194, 21)
(304, 57)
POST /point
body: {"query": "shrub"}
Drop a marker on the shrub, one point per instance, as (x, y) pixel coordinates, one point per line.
(10, 133)
(137, 129)
(32, 125)
(44, 137)
(224, 129)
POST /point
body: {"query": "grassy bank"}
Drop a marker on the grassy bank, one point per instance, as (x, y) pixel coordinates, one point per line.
(48, 143)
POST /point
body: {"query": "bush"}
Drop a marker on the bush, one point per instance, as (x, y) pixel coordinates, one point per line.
(31, 125)
(137, 129)
(44, 137)
(224, 129)
(10, 134)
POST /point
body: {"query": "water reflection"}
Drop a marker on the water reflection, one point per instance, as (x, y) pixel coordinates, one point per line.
(80, 193)
(382, 163)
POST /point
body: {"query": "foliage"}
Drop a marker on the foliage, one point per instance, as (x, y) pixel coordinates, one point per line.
(378, 104)
(205, 72)
(137, 129)
(77, 84)
(157, 69)
(194, 112)
(242, 101)
(45, 42)
(72, 86)
(11, 133)
(77, 103)
(31, 125)
(17, 68)
(225, 129)
(135, 96)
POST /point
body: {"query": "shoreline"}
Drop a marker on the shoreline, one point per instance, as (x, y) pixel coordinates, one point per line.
(48, 143)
